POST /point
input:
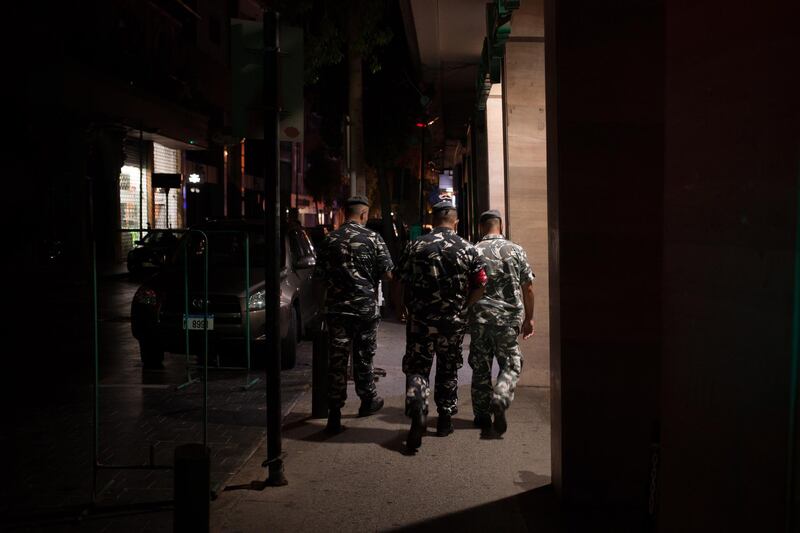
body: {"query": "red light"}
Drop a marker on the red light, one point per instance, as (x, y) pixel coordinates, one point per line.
(420, 124)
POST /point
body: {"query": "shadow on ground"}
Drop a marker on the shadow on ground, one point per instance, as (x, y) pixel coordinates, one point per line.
(534, 510)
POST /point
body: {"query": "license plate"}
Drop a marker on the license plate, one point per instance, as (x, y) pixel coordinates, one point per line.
(198, 322)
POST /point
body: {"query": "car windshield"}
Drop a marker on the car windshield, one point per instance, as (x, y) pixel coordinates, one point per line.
(226, 248)
(156, 238)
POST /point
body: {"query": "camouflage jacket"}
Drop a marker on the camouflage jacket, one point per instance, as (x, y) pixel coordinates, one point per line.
(508, 270)
(437, 269)
(351, 262)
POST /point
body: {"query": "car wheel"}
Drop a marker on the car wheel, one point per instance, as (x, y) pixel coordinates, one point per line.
(151, 354)
(289, 345)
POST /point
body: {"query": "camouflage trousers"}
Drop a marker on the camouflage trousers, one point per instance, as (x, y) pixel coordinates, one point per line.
(486, 342)
(423, 341)
(346, 334)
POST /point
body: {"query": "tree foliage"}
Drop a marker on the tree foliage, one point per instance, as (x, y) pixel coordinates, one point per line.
(327, 24)
(334, 31)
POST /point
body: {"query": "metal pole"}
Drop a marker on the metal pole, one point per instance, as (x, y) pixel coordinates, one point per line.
(793, 485)
(226, 158)
(272, 280)
(247, 381)
(185, 245)
(206, 249)
(95, 348)
(189, 379)
(247, 299)
(421, 177)
(141, 178)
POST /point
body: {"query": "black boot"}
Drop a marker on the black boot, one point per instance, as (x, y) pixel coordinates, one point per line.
(334, 421)
(484, 422)
(370, 406)
(444, 426)
(419, 423)
(499, 411)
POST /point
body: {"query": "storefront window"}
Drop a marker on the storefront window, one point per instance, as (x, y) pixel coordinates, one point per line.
(166, 201)
(132, 204)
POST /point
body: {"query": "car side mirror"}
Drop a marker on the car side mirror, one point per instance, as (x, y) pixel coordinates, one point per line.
(307, 261)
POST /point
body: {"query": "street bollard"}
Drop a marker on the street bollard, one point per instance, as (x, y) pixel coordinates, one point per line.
(192, 488)
(319, 375)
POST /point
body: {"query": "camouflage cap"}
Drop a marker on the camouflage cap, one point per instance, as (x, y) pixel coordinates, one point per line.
(489, 215)
(356, 200)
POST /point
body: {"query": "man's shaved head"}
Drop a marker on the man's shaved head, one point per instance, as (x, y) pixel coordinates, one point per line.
(492, 225)
(444, 217)
(355, 210)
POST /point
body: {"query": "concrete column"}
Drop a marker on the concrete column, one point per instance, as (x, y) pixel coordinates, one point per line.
(526, 144)
(481, 163)
(496, 149)
(674, 265)
(605, 118)
(730, 289)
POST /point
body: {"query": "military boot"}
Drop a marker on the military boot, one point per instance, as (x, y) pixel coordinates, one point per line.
(370, 406)
(499, 411)
(444, 426)
(484, 422)
(334, 421)
(419, 423)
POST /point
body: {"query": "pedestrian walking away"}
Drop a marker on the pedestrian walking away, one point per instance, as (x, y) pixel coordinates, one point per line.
(496, 320)
(351, 263)
(442, 276)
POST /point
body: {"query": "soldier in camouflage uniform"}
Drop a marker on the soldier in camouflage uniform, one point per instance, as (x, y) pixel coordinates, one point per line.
(351, 262)
(443, 275)
(496, 320)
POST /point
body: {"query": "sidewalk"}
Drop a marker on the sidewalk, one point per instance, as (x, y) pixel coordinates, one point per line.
(361, 480)
(49, 444)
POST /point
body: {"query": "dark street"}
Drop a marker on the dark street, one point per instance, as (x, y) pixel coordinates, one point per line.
(457, 265)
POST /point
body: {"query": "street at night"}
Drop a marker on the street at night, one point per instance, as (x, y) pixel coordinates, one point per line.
(401, 265)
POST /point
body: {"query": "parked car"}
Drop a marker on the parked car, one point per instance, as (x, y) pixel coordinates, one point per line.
(152, 252)
(159, 306)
